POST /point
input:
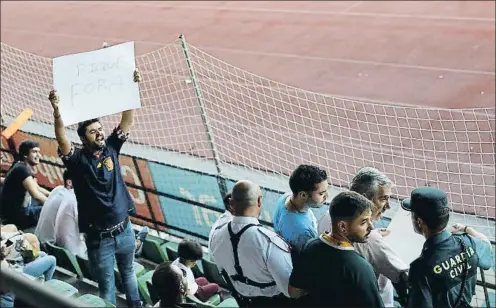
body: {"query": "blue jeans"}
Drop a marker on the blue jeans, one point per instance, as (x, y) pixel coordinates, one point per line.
(43, 265)
(32, 212)
(102, 253)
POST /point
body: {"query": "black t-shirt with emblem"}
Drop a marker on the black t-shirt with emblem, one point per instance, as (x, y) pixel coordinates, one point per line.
(101, 193)
(335, 276)
(13, 194)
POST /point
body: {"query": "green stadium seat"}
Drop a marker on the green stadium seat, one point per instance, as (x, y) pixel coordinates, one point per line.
(214, 300)
(153, 296)
(211, 302)
(143, 288)
(65, 259)
(138, 270)
(84, 265)
(212, 274)
(198, 269)
(61, 287)
(230, 302)
(43, 247)
(40, 278)
(29, 230)
(171, 250)
(152, 250)
(94, 301)
(206, 255)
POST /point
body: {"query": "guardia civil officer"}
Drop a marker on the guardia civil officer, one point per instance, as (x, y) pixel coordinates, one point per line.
(255, 261)
(445, 274)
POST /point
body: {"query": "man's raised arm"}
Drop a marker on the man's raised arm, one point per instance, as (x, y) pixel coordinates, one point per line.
(62, 140)
(128, 115)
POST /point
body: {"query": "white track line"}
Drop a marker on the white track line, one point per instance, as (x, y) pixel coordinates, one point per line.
(374, 63)
(354, 5)
(286, 11)
(271, 54)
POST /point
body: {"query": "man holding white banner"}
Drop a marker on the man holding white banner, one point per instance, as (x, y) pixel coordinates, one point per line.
(104, 203)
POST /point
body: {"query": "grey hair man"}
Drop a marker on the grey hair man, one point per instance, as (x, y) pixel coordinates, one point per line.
(377, 187)
(373, 185)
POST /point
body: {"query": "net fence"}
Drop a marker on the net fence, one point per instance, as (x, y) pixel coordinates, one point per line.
(261, 125)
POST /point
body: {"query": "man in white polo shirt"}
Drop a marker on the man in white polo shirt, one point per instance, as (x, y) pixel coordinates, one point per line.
(45, 228)
(67, 229)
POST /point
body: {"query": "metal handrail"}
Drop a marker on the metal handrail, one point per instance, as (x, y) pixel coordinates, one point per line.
(34, 293)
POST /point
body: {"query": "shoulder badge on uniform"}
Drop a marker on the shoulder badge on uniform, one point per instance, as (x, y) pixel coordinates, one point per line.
(220, 226)
(275, 239)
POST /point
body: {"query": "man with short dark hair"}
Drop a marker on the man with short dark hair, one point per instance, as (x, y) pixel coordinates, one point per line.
(445, 274)
(104, 202)
(377, 187)
(329, 268)
(22, 198)
(293, 219)
(189, 253)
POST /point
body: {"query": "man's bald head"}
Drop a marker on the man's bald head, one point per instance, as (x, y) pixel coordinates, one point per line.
(245, 196)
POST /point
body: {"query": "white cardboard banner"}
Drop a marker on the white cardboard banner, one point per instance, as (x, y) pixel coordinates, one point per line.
(403, 239)
(96, 83)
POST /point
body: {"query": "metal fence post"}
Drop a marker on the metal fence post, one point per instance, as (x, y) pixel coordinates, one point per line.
(220, 178)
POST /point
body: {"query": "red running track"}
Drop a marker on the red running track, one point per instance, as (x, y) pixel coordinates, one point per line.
(416, 53)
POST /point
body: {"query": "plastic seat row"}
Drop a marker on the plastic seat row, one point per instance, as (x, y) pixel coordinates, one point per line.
(68, 290)
(148, 294)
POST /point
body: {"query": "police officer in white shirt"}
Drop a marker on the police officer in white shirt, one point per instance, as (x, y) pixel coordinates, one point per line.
(254, 260)
(223, 219)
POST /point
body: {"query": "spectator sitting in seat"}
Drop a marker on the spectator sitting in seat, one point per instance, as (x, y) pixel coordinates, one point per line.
(190, 252)
(170, 286)
(21, 252)
(65, 223)
(223, 219)
(22, 198)
(293, 219)
(62, 194)
(6, 297)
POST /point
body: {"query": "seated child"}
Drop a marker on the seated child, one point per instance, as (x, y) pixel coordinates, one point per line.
(190, 252)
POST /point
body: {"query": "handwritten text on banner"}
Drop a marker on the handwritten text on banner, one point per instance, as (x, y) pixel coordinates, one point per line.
(96, 83)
